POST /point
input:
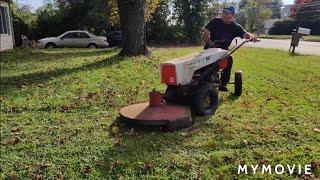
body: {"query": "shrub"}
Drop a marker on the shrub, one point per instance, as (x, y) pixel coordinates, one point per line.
(285, 27)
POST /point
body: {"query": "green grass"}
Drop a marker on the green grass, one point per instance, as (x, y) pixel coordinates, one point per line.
(312, 38)
(58, 108)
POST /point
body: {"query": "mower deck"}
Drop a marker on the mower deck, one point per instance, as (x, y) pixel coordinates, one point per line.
(167, 116)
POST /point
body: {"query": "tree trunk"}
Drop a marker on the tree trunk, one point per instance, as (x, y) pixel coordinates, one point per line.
(133, 27)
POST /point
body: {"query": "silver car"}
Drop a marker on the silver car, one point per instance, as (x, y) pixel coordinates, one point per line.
(76, 39)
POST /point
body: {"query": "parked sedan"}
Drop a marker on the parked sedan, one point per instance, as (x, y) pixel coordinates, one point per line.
(76, 39)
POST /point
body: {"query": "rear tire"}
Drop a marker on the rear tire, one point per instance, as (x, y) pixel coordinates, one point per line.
(205, 100)
(50, 45)
(238, 83)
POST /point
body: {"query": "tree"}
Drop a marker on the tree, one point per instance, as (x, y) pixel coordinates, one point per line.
(192, 16)
(275, 6)
(24, 22)
(47, 21)
(133, 27)
(158, 29)
(308, 10)
(256, 13)
(240, 17)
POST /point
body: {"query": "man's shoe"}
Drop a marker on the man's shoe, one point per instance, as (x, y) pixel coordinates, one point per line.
(223, 88)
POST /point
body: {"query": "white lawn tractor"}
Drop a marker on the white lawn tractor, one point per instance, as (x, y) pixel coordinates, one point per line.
(192, 81)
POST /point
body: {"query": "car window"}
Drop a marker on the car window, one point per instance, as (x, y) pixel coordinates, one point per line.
(83, 35)
(70, 36)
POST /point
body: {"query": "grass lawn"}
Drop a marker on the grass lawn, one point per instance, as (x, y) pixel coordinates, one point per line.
(313, 38)
(58, 107)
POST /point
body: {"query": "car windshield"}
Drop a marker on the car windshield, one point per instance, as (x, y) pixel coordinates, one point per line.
(90, 34)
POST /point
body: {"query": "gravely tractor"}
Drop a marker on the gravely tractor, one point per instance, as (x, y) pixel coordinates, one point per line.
(192, 88)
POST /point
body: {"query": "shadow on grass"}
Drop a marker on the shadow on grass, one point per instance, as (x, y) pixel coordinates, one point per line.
(230, 98)
(143, 151)
(139, 149)
(9, 83)
(31, 55)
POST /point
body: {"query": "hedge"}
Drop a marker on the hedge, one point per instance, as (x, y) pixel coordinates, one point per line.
(285, 27)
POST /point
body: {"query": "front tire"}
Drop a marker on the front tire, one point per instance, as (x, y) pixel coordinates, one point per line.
(172, 95)
(205, 100)
(238, 83)
(92, 46)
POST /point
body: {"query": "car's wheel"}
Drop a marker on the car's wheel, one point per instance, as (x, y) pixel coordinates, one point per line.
(92, 46)
(238, 83)
(50, 45)
(205, 100)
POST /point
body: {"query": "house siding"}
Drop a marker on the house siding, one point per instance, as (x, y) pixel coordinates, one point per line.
(6, 40)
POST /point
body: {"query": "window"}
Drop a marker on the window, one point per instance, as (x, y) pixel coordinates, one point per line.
(70, 36)
(4, 20)
(83, 35)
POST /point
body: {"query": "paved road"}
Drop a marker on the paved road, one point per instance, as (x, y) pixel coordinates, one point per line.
(304, 47)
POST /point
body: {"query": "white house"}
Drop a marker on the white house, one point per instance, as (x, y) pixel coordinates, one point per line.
(6, 29)
(286, 11)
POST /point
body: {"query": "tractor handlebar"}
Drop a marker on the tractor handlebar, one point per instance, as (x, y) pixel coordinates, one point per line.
(234, 49)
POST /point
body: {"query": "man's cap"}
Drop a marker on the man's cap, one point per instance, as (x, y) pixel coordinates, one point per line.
(230, 9)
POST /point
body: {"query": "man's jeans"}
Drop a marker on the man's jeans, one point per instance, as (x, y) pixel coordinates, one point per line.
(225, 75)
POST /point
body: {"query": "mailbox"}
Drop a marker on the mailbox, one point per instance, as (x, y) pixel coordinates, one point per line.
(303, 31)
(296, 35)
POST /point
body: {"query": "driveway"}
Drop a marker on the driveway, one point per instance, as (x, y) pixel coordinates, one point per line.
(304, 47)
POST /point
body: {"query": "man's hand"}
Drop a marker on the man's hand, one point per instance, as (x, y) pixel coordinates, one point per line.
(251, 37)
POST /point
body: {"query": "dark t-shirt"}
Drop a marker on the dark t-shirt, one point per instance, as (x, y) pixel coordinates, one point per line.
(224, 32)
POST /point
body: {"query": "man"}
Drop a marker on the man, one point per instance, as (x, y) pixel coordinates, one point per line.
(220, 32)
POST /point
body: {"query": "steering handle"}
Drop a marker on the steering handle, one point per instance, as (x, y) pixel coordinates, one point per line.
(237, 47)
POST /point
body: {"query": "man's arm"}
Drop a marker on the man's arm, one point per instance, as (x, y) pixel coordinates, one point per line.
(241, 32)
(206, 36)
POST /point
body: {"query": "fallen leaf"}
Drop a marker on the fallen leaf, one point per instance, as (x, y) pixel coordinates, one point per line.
(120, 176)
(314, 166)
(316, 129)
(244, 143)
(115, 130)
(183, 134)
(117, 142)
(242, 162)
(147, 166)
(37, 177)
(227, 159)
(40, 85)
(15, 130)
(86, 170)
(15, 141)
(60, 176)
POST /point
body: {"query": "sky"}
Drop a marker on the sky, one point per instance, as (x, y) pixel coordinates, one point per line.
(37, 3)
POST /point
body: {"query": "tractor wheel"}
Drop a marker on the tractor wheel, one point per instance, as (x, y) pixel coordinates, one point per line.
(172, 95)
(238, 83)
(205, 100)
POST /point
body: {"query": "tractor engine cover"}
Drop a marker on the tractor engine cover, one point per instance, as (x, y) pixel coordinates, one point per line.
(180, 71)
